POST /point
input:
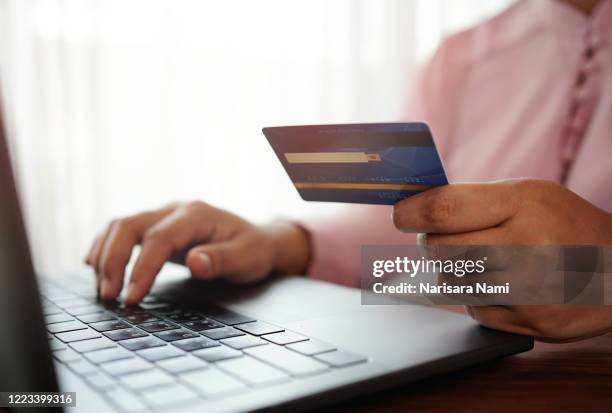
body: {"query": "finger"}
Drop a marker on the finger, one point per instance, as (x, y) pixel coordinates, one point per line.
(93, 259)
(115, 255)
(93, 248)
(476, 245)
(217, 259)
(489, 236)
(458, 208)
(170, 235)
(500, 318)
(88, 259)
(117, 251)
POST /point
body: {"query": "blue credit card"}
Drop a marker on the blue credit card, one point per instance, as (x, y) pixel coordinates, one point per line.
(375, 163)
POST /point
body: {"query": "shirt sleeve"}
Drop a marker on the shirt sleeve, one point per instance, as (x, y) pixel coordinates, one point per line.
(336, 241)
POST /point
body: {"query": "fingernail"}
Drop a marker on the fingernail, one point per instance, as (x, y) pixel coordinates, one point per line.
(206, 263)
(104, 289)
(130, 293)
(131, 290)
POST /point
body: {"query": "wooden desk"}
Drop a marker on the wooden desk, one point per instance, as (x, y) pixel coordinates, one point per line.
(573, 377)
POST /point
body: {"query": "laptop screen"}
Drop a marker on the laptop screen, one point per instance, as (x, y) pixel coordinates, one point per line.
(25, 359)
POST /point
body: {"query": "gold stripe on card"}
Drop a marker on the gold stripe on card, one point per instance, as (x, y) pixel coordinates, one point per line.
(345, 185)
(332, 157)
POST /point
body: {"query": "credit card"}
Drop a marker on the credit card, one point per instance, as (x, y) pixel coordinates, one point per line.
(370, 163)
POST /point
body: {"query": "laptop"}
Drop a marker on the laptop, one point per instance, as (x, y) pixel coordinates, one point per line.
(290, 343)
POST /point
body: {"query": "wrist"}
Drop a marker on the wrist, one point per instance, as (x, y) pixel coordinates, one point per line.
(291, 247)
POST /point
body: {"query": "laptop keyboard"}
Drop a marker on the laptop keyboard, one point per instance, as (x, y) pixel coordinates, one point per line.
(156, 355)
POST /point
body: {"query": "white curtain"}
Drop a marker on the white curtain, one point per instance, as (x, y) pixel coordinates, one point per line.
(115, 106)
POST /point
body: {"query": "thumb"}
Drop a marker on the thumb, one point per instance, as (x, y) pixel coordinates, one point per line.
(213, 260)
(457, 208)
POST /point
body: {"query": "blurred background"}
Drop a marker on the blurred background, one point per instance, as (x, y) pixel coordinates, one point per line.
(115, 106)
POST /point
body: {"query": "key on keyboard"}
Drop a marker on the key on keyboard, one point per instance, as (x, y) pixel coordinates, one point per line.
(66, 355)
(160, 353)
(259, 328)
(83, 368)
(229, 318)
(125, 334)
(287, 360)
(169, 395)
(92, 345)
(243, 342)
(156, 326)
(184, 316)
(141, 381)
(217, 353)
(120, 367)
(311, 347)
(94, 318)
(51, 310)
(55, 344)
(340, 358)
(173, 335)
(100, 381)
(285, 337)
(66, 326)
(72, 302)
(57, 295)
(82, 310)
(200, 325)
(221, 333)
(183, 364)
(253, 371)
(109, 354)
(142, 343)
(153, 306)
(125, 401)
(58, 318)
(123, 311)
(192, 344)
(77, 335)
(212, 382)
(165, 311)
(109, 325)
(141, 318)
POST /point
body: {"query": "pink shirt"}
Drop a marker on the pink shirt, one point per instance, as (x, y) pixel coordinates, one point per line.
(525, 94)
